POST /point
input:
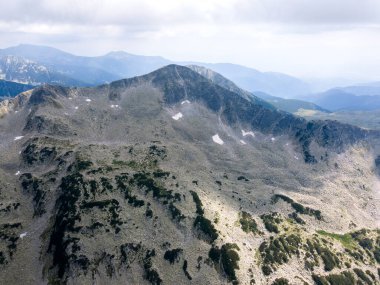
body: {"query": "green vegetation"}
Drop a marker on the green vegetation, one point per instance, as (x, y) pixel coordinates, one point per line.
(346, 240)
(198, 203)
(299, 208)
(151, 274)
(271, 221)
(248, 224)
(344, 278)
(226, 259)
(280, 281)
(34, 185)
(184, 268)
(278, 251)
(316, 250)
(206, 227)
(363, 276)
(173, 255)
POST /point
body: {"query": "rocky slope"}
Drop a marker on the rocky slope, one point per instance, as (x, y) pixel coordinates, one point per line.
(169, 178)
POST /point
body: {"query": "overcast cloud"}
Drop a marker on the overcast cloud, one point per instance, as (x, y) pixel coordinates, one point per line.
(306, 38)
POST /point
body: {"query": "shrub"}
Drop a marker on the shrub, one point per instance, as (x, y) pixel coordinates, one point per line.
(281, 281)
(206, 227)
(248, 224)
(173, 255)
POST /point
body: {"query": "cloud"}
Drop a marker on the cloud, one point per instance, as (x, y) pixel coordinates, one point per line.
(301, 37)
(164, 12)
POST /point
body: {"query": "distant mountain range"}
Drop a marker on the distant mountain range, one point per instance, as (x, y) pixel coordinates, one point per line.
(351, 98)
(58, 67)
(11, 89)
(35, 65)
(289, 105)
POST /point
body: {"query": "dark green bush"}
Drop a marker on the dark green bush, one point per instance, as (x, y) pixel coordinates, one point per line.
(173, 255)
(205, 225)
(280, 281)
(198, 203)
(248, 224)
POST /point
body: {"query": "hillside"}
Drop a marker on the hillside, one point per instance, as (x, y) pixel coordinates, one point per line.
(169, 178)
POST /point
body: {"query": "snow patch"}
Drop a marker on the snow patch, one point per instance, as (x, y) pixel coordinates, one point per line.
(18, 173)
(177, 116)
(185, 102)
(217, 139)
(272, 139)
(88, 100)
(76, 107)
(70, 98)
(114, 106)
(18, 138)
(296, 157)
(23, 235)
(242, 142)
(244, 133)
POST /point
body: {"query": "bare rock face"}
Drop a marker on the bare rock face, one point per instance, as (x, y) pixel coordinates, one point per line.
(110, 185)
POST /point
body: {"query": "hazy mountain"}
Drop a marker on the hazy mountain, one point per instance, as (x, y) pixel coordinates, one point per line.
(169, 178)
(23, 70)
(117, 65)
(289, 105)
(342, 99)
(11, 89)
(277, 84)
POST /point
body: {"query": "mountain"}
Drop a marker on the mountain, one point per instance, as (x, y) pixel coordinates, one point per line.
(11, 89)
(341, 99)
(274, 83)
(228, 84)
(88, 70)
(287, 105)
(119, 64)
(290, 105)
(169, 178)
(26, 71)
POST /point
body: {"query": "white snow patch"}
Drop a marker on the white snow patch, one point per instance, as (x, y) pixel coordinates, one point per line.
(272, 139)
(70, 98)
(114, 106)
(23, 235)
(296, 157)
(244, 133)
(18, 138)
(18, 173)
(177, 116)
(185, 102)
(76, 107)
(19, 152)
(242, 142)
(217, 139)
(16, 112)
(66, 113)
(88, 100)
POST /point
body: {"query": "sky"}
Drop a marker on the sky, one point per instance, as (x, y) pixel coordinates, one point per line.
(306, 38)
